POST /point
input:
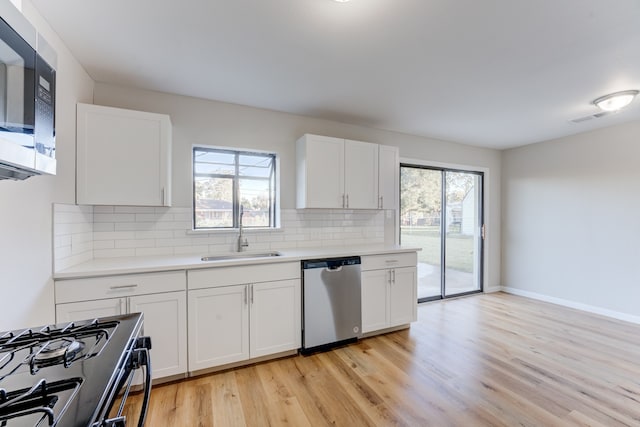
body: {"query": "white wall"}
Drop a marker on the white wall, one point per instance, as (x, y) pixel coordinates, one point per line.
(570, 220)
(197, 121)
(26, 206)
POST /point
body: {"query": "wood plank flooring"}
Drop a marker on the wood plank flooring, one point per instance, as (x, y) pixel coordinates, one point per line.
(485, 360)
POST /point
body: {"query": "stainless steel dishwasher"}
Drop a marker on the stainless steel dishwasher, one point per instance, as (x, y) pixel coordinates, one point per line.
(332, 311)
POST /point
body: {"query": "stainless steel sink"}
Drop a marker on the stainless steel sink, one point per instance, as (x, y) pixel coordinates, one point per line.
(240, 255)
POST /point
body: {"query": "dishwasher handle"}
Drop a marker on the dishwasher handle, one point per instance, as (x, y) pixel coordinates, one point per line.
(334, 268)
(330, 264)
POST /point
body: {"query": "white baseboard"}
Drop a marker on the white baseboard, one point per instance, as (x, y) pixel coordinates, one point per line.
(572, 304)
(492, 289)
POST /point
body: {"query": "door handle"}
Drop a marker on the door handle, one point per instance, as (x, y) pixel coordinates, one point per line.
(347, 201)
(244, 295)
(251, 294)
(394, 276)
(343, 205)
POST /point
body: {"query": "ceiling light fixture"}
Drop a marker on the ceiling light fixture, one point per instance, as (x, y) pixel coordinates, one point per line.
(341, 1)
(615, 101)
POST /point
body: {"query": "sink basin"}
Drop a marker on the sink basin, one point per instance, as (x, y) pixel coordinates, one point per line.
(240, 255)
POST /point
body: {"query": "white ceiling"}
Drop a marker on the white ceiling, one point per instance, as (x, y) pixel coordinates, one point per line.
(493, 73)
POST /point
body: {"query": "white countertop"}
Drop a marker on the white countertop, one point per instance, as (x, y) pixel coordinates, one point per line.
(131, 265)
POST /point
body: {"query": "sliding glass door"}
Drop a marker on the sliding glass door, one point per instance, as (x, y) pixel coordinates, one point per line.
(441, 213)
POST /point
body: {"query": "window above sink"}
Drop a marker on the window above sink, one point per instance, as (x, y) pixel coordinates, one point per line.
(224, 180)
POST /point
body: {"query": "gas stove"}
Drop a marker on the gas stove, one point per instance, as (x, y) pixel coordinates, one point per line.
(70, 375)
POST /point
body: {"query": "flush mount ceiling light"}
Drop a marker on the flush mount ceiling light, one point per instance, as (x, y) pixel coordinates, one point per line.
(341, 1)
(615, 101)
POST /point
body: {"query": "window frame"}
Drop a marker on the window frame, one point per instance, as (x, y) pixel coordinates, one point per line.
(273, 180)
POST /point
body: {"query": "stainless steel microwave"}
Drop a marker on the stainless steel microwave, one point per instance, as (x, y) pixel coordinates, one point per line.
(27, 98)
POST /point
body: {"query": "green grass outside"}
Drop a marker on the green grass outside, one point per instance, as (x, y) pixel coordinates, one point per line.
(459, 247)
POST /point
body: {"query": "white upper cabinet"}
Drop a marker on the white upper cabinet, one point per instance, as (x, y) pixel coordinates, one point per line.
(320, 170)
(389, 176)
(336, 173)
(360, 175)
(123, 157)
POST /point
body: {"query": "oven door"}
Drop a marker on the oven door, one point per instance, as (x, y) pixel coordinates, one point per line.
(115, 415)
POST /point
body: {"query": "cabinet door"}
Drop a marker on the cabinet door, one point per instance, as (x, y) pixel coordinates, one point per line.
(403, 297)
(165, 321)
(389, 175)
(320, 170)
(375, 289)
(275, 317)
(361, 175)
(218, 326)
(123, 157)
(85, 310)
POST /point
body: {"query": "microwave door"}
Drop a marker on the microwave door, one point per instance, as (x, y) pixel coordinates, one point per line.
(17, 81)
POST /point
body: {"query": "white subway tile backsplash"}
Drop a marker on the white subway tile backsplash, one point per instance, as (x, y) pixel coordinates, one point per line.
(149, 217)
(133, 226)
(105, 209)
(113, 253)
(117, 235)
(134, 209)
(72, 235)
(114, 217)
(183, 250)
(62, 241)
(104, 226)
(82, 233)
(135, 243)
(154, 234)
(173, 225)
(153, 251)
(63, 252)
(104, 244)
(182, 216)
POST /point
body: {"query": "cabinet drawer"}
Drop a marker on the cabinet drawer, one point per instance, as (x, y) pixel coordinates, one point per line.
(225, 276)
(377, 262)
(118, 286)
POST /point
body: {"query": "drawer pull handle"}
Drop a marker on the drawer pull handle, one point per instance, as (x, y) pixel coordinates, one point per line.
(391, 261)
(123, 287)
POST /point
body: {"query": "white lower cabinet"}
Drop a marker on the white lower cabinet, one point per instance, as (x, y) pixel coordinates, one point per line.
(275, 317)
(234, 322)
(389, 294)
(165, 321)
(165, 312)
(218, 326)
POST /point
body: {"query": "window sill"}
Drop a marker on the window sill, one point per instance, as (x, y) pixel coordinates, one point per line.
(236, 230)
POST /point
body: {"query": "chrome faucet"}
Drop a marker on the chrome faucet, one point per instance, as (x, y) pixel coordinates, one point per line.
(242, 240)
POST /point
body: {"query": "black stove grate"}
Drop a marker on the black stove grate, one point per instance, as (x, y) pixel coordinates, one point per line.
(39, 399)
(51, 346)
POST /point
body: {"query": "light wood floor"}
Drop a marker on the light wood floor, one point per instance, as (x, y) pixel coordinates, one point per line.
(485, 360)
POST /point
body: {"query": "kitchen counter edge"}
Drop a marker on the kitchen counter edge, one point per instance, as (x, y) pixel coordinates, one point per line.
(153, 264)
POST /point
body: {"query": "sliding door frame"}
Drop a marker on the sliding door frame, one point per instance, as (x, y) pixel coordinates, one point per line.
(443, 168)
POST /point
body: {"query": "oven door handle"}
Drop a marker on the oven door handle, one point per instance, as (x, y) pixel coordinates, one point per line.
(144, 359)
